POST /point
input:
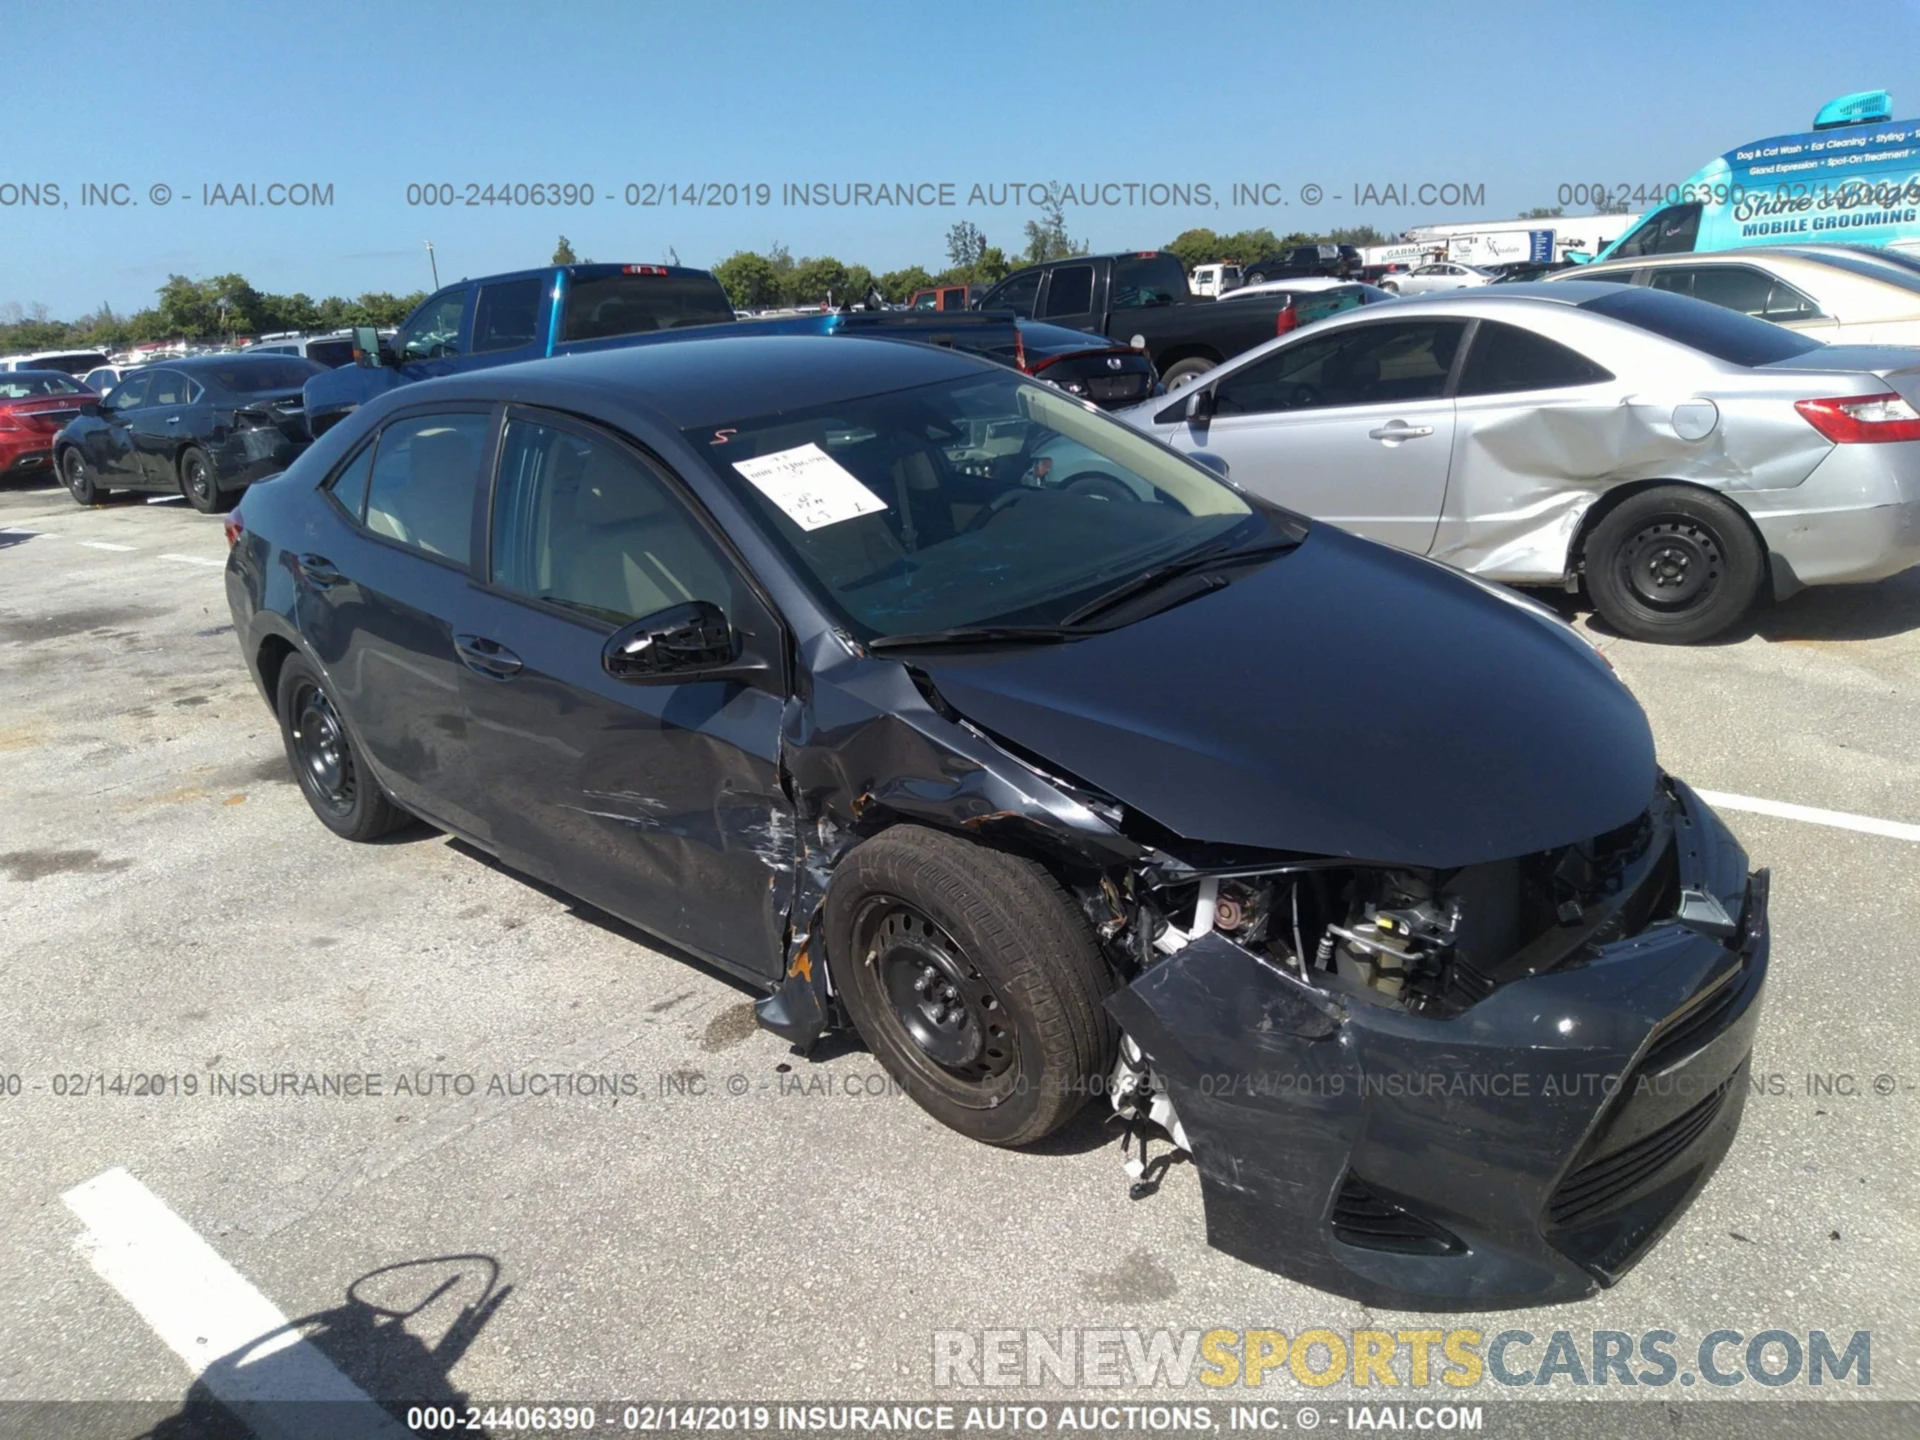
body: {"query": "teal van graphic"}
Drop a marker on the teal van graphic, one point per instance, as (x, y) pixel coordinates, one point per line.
(1854, 179)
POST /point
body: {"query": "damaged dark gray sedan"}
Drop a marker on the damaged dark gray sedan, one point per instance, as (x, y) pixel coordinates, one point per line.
(848, 667)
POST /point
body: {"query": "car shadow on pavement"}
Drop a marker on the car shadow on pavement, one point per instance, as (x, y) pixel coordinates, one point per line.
(1822, 613)
(375, 1338)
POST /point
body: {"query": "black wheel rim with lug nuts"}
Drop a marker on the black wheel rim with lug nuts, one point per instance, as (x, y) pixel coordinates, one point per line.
(199, 477)
(1672, 564)
(324, 759)
(938, 998)
(76, 473)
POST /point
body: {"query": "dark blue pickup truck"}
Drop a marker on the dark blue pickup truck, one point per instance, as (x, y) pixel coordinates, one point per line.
(576, 309)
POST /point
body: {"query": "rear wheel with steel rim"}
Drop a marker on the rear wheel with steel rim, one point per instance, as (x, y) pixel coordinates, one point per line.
(78, 476)
(1674, 565)
(201, 486)
(341, 792)
(974, 979)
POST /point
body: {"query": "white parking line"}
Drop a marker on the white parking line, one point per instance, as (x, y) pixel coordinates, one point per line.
(235, 1341)
(104, 545)
(194, 560)
(1812, 815)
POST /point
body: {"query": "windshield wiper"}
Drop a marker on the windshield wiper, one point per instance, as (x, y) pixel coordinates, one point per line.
(1215, 557)
(980, 635)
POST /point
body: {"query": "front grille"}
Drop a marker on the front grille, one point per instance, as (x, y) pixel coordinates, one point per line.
(1596, 1186)
(1363, 1218)
(1690, 1028)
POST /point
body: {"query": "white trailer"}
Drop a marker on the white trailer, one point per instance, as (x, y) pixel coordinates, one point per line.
(1494, 242)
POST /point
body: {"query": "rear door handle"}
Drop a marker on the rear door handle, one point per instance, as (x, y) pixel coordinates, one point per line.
(173, 419)
(1399, 430)
(320, 571)
(488, 657)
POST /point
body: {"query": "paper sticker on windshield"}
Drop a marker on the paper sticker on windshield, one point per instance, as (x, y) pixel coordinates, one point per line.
(810, 486)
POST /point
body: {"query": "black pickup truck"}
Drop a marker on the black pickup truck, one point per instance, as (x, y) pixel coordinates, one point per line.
(1141, 299)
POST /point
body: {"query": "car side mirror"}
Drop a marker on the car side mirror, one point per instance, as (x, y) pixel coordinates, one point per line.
(1195, 407)
(366, 347)
(682, 642)
(1211, 460)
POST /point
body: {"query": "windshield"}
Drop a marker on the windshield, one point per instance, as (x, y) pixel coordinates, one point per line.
(1724, 334)
(24, 384)
(988, 500)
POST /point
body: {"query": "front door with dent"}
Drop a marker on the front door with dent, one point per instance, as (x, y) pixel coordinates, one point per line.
(1353, 426)
(660, 803)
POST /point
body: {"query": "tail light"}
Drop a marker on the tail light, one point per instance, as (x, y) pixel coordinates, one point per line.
(643, 269)
(1287, 319)
(235, 527)
(1862, 419)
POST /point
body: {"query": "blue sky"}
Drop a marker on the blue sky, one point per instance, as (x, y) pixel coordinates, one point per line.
(369, 98)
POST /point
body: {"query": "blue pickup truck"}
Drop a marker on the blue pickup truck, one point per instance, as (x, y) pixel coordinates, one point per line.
(573, 309)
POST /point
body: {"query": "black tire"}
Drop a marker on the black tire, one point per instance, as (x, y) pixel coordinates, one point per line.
(200, 484)
(1390, 286)
(1182, 371)
(1673, 565)
(78, 477)
(343, 794)
(923, 925)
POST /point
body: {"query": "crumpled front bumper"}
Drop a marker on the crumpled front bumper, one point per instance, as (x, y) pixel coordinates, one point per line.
(1527, 1151)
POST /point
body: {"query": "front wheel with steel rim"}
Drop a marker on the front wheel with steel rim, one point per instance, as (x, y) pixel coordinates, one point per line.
(341, 792)
(200, 484)
(78, 476)
(974, 979)
(1673, 565)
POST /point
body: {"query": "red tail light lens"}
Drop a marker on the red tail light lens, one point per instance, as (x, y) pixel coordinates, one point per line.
(1287, 319)
(1862, 419)
(643, 269)
(235, 528)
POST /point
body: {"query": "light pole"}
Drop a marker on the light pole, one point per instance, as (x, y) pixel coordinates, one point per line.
(435, 264)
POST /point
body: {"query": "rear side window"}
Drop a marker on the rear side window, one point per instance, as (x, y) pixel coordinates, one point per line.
(602, 305)
(1070, 292)
(1141, 283)
(1724, 334)
(349, 484)
(506, 316)
(1506, 358)
(578, 522)
(425, 471)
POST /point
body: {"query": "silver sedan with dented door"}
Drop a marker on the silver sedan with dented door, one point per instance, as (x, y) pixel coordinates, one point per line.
(1674, 458)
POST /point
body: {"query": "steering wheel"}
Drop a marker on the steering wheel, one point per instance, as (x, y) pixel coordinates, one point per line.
(1004, 501)
(1096, 485)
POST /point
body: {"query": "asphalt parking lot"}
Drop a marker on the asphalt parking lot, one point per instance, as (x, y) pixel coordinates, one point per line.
(748, 1223)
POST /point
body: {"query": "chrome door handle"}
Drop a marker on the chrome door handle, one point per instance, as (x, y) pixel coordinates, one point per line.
(173, 419)
(1399, 431)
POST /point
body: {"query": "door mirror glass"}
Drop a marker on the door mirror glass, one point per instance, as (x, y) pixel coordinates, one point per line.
(672, 644)
(366, 347)
(1200, 404)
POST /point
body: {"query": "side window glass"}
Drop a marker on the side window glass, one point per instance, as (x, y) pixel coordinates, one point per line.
(1733, 287)
(1365, 365)
(1018, 295)
(581, 523)
(1506, 358)
(1785, 304)
(131, 393)
(420, 492)
(349, 484)
(435, 332)
(169, 388)
(506, 315)
(1071, 291)
(1673, 278)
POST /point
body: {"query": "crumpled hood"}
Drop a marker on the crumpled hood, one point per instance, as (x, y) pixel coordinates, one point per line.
(1346, 699)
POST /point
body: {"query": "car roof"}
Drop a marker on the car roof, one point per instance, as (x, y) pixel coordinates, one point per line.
(693, 382)
(1561, 292)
